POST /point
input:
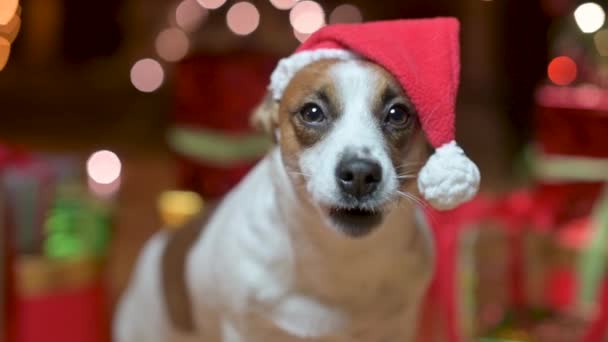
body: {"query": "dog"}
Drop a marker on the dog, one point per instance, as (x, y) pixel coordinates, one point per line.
(324, 240)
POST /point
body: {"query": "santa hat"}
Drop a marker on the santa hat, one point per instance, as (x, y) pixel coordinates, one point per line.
(423, 55)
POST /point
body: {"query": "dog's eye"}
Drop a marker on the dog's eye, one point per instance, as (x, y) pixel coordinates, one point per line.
(398, 116)
(312, 113)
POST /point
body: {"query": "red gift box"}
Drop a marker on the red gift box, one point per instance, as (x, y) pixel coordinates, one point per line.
(214, 96)
(61, 301)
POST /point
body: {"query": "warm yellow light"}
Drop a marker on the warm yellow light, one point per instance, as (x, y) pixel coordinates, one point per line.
(307, 17)
(8, 9)
(11, 29)
(283, 4)
(601, 42)
(589, 17)
(345, 14)
(172, 44)
(176, 207)
(189, 15)
(5, 52)
(243, 18)
(211, 4)
(104, 167)
(147, 75)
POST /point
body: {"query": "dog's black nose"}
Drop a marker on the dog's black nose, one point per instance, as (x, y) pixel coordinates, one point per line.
(358, 177)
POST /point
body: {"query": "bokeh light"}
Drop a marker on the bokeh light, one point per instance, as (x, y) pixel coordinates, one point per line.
(345, 14)
(211, 4)
(243, 18)
(5, 51)
(283, 4)
(172, 44)
(104, 190)
(601, 42)
(11, 29)
(147, 75)
(301, 37)
(589, 17)
(104, 167)
(8, 9)
(307, 17)
(189, 15)
(562, 70)
(177, 207)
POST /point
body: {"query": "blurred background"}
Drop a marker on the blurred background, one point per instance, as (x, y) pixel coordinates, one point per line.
(120, 117)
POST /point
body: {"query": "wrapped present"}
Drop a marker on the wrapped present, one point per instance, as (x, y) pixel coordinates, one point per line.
(61, 236)
(61, 300)
(210, 132)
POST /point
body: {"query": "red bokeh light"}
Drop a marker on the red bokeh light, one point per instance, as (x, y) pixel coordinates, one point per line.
(562, 70)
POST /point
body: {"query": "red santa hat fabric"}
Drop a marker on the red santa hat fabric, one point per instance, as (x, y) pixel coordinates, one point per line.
(424, 56)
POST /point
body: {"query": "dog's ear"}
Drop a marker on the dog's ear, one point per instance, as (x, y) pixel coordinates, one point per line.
(265, 116)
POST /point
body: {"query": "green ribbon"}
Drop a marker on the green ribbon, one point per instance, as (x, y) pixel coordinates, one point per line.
(568, 168)
(216, 147)
(592, 262)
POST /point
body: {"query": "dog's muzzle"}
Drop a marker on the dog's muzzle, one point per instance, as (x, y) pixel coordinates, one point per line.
(358, 179)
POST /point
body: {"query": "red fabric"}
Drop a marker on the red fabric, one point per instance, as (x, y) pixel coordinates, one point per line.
(70, 316)
(422, 54)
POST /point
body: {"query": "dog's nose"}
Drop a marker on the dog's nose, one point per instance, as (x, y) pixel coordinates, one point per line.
(358, 177)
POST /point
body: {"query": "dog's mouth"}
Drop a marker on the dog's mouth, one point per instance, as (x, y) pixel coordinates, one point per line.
(355, 222)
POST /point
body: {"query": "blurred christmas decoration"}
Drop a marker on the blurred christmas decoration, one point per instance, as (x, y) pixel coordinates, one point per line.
(58, 236)
(530, 265)
(210, 135)
(10, 22)
(177, 207)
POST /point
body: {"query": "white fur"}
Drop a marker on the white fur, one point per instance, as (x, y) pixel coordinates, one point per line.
(449, 178)
(269, 267)
(354, 132)
(271, 270)
(289, 66)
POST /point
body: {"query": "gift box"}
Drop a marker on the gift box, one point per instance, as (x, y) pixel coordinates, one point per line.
(59, 238)
(61, 301)
(210, 134)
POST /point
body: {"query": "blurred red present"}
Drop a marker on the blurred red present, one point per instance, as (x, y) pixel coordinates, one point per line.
(211, 135)
(61, 301)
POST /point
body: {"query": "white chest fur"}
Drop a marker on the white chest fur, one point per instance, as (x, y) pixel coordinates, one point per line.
(274, 272)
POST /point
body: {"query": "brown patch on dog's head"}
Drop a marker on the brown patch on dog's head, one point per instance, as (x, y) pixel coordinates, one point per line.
(335, 113)
(312, 84)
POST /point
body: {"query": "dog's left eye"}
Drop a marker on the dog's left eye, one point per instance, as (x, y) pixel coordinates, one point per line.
(312, 113)
(397, 116)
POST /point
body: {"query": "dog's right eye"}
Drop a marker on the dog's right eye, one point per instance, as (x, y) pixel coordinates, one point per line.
(312, 113)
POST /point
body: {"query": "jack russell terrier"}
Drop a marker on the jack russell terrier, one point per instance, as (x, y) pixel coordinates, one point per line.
(325, 240)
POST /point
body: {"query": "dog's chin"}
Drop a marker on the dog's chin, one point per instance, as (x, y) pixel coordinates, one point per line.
(355, 222)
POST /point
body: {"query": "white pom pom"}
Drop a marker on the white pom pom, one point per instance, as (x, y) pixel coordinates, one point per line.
(449, 177)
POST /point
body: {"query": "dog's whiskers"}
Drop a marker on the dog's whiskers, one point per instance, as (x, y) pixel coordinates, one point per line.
(305, 175)
(406, 176)
(412, 198)
(409, 164)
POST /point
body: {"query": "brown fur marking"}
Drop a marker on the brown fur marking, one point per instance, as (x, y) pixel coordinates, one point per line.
(173, 268)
